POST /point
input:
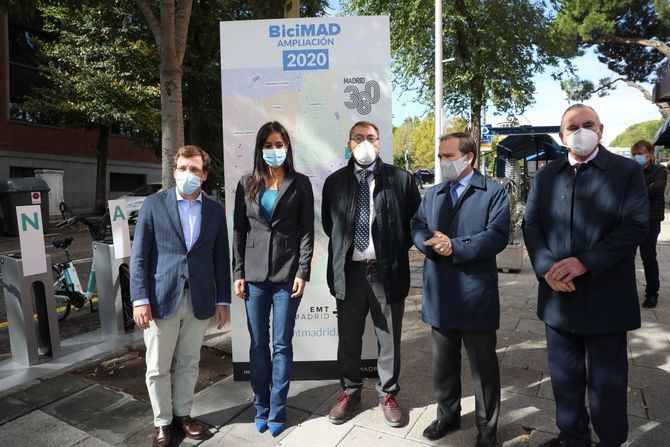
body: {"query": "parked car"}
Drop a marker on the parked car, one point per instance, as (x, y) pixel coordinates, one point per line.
(135, 198)
(426, 176)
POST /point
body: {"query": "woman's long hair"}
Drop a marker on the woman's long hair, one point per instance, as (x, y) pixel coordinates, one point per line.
(260, 172)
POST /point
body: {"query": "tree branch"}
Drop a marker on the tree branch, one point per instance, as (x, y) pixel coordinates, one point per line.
(607, 85)
(152, 20)
(639, 87)
(183, 20)
(661, 46)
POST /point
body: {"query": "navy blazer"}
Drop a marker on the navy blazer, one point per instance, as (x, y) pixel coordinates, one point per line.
(604, 226)
(461, 291)
(160, 263)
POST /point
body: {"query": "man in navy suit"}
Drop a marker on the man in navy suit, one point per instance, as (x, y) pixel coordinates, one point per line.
(461, 225)
(585, 216)
(180, 278)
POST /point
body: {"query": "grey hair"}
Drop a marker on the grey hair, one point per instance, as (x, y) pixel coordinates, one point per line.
(578, 106)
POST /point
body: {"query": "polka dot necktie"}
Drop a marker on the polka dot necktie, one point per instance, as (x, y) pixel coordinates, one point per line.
(362, 216)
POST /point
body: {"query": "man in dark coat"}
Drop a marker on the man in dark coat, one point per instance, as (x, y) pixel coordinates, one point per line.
(585, 216)
(656, 178)
(366, 208)
(461, 225)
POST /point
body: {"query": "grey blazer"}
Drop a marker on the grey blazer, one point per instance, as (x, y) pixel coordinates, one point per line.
(281, 250)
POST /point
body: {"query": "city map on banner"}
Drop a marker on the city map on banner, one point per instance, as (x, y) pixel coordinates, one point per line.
(317, 77)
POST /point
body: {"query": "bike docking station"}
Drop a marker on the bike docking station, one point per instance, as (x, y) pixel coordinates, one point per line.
(109, 259)
(37, 350)
(27, 278)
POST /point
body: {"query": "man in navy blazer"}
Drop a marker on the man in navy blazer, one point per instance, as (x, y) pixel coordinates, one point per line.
(180, 279)
(585, 216)
(461, 225)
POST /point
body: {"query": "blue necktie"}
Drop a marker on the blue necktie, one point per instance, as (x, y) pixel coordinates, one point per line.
(362, 216)
(454, 194)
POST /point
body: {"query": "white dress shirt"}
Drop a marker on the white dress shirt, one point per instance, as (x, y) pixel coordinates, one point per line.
(573, 161)
(369, 252)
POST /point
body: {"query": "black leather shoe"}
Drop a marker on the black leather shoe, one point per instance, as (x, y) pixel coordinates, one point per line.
(489, 441)
(439, 428)
(650, 301)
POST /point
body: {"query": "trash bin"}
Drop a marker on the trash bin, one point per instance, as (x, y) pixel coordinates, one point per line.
(23, 191)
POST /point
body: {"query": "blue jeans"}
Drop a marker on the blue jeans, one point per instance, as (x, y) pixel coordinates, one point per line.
(270, 378)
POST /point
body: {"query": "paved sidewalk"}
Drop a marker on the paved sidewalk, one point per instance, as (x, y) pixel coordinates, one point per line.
(68, 410)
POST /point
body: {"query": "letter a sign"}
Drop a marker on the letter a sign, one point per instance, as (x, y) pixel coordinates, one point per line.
(120, 232)
(31, 239)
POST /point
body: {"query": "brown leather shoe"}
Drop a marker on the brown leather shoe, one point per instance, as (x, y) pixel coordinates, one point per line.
(161, 436)
(191, 428)
(346, 404)
(392, 412)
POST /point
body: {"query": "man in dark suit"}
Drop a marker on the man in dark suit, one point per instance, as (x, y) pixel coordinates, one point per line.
(586, 214)
(366, 208)
(656, 179)
(461, 225)
(180, 278)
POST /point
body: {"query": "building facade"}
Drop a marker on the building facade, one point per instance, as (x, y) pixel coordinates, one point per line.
(28, 143)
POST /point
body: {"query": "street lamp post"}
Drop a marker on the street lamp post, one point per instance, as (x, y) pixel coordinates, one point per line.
(438, 87)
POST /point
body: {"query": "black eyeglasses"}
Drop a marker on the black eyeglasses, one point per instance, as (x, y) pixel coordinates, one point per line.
(369, 138)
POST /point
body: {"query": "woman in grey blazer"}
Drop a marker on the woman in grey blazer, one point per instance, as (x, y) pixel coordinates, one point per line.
(273, 240)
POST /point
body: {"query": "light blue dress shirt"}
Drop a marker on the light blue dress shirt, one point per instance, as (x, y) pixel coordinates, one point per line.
(190, 215)
(458, 188)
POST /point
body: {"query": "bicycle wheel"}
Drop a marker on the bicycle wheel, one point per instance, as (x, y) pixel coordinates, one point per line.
(61, 294)
(127, 304)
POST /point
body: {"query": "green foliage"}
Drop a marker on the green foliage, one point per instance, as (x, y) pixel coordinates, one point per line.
(418, 135)
(640, 131)
(100, 66)
(582, 23)
(498, 46)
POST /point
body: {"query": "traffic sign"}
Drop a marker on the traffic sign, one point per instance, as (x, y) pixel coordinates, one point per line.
(487, 135)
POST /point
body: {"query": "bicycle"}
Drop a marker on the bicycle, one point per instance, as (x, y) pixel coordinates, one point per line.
(67, 287)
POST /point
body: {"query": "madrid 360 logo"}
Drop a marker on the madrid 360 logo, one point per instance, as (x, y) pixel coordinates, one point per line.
(361, 99)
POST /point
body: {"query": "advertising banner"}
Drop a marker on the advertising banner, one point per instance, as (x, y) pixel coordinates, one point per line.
(317, 77)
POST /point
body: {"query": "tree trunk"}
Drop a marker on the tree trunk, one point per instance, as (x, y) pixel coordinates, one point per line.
(101, 171)
(663, 108)
(172, 120)
(476, 123)
(170, 34)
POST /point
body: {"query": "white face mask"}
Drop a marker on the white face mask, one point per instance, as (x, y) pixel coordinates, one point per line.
(365, 153)
(452, 169)
(582, 141)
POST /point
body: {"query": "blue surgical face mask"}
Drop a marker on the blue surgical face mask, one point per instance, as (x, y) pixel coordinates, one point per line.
(187, 183)
(274, 157)
(640, 158)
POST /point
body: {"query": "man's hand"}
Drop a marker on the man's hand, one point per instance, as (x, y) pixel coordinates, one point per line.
(240, 287)
(559, 286)
(221, 315)
(142, 316)
(566, 270)
(298, 288)
(440, 243)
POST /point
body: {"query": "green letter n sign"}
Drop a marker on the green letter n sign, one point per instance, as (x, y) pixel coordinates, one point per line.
(118, 214)
(35, 223)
